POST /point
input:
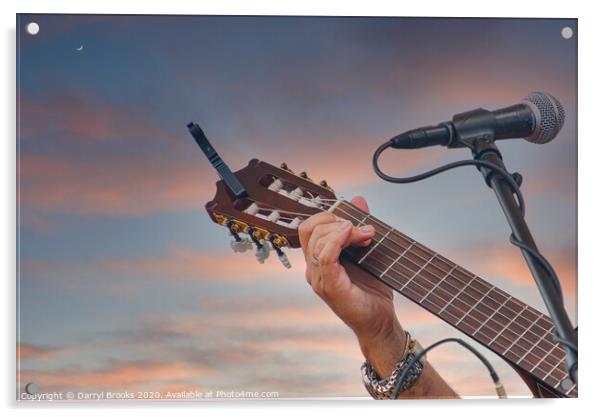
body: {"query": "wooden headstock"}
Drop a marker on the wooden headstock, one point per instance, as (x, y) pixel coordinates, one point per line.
(277, 202)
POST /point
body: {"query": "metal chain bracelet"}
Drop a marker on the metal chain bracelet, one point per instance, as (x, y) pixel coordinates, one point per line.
(382, 389)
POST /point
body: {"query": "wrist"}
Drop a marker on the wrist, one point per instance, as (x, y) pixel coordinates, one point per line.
(384, 349)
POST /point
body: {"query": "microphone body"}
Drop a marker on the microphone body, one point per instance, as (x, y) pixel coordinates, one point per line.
(537, 119)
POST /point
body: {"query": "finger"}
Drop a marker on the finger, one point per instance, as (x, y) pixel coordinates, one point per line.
(320, 232)
(359, 236)
(364, 243)
(334, 283)
(328, 257)
(310, 251)
(361, 203)
(334, 244)
(306, 228)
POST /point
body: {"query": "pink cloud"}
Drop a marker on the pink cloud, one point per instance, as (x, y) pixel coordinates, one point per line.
(505, 260)
(186, 263)
(82, 118)
(114, 186)
(27, 351)
(117, 375)
(161, 181)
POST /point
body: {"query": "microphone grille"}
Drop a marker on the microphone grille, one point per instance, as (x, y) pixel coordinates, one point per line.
(549, 116)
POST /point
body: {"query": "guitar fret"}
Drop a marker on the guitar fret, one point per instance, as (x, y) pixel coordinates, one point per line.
(335, 205)
(417, 272)
(474, 306)
(363, 220)
(523, 333)
(436, 285)
(502, 322)
(458, 293)
(374, 246)
(541, 360)
(397, 259)
(491, 316)
(507, 325)
(553, 368)
(534, 344)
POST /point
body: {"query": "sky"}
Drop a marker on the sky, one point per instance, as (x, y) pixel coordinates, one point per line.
(124, 283)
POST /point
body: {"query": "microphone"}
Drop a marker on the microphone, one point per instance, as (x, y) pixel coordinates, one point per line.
(537, 119)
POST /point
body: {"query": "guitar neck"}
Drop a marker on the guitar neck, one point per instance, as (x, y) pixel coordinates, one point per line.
(517, 332)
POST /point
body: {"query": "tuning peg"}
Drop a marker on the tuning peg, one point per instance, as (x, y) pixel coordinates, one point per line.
(262, 249)
(285, 167)
(283, 258)
(263, 252)
(276, 242)
(242, 245)
(237, 244)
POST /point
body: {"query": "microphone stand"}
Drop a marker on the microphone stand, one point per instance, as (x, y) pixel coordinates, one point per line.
(469, 130)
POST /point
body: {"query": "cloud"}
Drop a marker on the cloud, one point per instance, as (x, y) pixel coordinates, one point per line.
(115, 186)
(505, 260)
(80, 117)
(218, 266)
(115, 375)
(31, 352)
(81, 155)
(251, 343)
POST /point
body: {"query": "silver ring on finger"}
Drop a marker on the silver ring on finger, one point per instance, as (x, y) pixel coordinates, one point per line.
(315, 261)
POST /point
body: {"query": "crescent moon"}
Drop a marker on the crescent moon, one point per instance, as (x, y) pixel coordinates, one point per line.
(30, 388)
(81, 48)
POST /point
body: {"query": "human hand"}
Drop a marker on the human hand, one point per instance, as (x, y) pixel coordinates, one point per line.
(357, 298)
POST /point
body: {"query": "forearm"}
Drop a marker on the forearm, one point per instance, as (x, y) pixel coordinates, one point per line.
(385, 351)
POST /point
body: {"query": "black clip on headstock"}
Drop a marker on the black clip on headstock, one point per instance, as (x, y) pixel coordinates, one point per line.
(222, 169)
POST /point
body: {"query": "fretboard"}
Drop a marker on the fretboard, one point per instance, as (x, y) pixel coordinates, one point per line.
(509, 327)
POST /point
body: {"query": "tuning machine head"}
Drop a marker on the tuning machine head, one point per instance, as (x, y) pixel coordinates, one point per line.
(324, 184)
(262, 249)
(242, 245)
(278, 242)
(238, 244)
(306, 177)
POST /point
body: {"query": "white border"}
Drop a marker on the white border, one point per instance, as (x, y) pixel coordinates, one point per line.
(589, 207)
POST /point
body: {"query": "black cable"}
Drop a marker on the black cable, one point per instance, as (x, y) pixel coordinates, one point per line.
(406, 180)
(509, 179)
(543, 261)
(494, 376)
(515, 187)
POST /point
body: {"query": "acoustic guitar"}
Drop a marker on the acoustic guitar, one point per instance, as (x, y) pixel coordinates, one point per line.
(277, 201)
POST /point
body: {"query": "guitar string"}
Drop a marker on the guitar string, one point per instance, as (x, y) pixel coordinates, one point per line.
(444, 260)
(411, 242)
(414, 243)
(554, 346)
(507, 296)
(418, 245)
(490, 317)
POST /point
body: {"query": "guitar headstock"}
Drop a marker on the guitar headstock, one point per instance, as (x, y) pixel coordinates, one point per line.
(268, 218)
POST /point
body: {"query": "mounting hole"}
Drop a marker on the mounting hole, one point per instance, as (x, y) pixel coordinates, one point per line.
(566, 32)
(32, 28)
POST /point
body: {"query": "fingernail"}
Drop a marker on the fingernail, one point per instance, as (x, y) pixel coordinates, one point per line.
(366, 229)
(345, 225)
